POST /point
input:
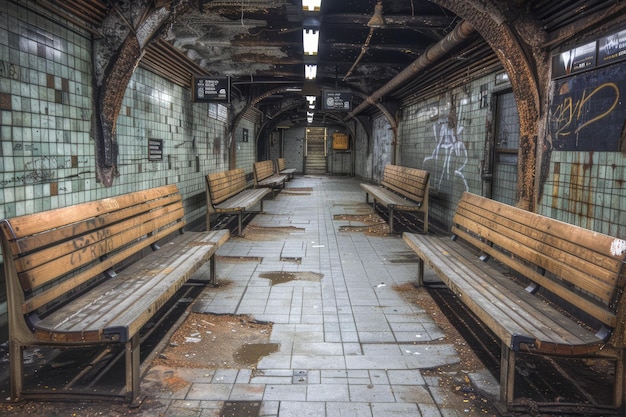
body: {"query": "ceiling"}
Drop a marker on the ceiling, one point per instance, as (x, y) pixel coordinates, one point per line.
(258, 43)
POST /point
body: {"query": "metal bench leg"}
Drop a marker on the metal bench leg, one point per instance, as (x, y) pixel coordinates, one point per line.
(420, 272)
(240, 221)
(132, 369)
(507, 375)
(17, 368)
(212, 276)
(390, 219)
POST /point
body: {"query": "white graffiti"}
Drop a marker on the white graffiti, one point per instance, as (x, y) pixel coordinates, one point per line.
(449, 145)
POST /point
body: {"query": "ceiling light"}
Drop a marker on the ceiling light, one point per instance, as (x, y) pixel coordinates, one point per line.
(310, 72)
(377, 21)
(310, 39)
(312, 5)
(311, 99)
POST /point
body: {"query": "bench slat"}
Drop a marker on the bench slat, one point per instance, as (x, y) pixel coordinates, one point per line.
(120, 306)
(266, 176)
(547, 246)
(85, 247)
(401, 189)
(243, 200)
(52, 219)
(223, 185)
(62, 286)
(504, 306)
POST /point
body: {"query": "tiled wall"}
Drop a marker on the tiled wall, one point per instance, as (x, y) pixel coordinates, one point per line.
(446, 136)
(246, 152)
(587, 189)
(47, 153)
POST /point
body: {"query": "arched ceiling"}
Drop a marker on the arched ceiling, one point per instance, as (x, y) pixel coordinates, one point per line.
(258, 43)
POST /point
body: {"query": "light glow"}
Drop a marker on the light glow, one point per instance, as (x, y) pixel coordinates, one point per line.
(310, 71)
(310, 40)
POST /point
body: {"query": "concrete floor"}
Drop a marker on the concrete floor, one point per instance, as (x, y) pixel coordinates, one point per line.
(358, 346)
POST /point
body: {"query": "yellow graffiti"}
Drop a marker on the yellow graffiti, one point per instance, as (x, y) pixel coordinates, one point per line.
(569, 114)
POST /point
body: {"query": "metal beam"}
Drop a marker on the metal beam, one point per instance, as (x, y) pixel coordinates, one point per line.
(460, 33)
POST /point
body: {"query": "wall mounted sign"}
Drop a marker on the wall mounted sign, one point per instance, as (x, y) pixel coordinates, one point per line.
(340, 141)
(612, 48)
(155, 149)
(208, 89)
(336, 100)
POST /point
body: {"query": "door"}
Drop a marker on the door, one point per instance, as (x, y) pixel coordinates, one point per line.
(503, 151)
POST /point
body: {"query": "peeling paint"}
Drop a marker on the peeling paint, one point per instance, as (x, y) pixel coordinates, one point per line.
(618, 247)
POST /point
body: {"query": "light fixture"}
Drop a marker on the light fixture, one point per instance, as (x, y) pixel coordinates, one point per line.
(311, 99)
(377, 21)
(309, 117)
(312, 5)
(310, 71)
(310, 39)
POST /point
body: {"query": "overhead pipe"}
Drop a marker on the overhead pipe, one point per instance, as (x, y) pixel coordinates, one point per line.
(460, 33)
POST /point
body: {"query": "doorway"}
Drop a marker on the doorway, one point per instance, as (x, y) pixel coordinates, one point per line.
(503, 151)
(315, 155)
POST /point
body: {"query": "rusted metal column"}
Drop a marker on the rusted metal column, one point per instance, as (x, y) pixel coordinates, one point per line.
(460, 33)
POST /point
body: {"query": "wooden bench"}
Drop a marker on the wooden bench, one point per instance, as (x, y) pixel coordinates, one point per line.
(265, 176)
(281, 168)
(578, 269)
(93, 274)
(401, 189)
(228, 192)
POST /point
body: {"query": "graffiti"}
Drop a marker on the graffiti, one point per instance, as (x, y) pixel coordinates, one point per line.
(450, 150)
(570, 117)
(587, 112)
(21, 147)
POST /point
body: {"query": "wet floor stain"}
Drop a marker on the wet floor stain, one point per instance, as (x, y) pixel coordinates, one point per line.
(241, 409)
(281, 277)
(249, 355)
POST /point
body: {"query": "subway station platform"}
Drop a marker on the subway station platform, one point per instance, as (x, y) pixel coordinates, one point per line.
(352, 337)
(350, 343)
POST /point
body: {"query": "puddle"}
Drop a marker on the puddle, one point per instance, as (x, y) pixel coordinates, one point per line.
(249, 355)
(281, 277)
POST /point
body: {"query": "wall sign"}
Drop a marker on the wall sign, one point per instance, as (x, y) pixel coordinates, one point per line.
(155, 149)
(207, 89)
(337, 100)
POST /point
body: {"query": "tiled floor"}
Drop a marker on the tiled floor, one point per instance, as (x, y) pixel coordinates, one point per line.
(350, 345)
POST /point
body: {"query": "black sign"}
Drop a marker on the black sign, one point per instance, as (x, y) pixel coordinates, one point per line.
(574, 60)
(336, 100)
(588, 110)
(207, 89)
(155, 149)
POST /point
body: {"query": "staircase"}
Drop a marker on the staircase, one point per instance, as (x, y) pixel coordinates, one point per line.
(316, 151)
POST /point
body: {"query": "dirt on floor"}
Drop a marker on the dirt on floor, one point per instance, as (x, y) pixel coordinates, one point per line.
(255, 232)
(454, 378)
(213, 341)
(371, 224)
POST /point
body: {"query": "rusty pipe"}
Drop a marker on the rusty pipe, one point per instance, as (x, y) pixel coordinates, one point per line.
(461, 32)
